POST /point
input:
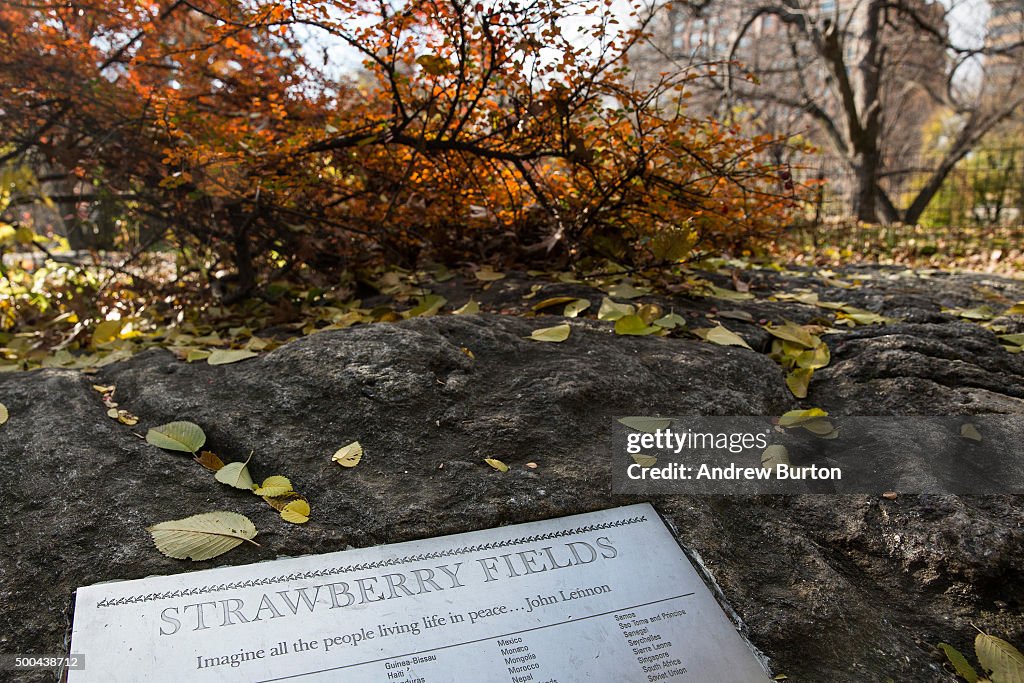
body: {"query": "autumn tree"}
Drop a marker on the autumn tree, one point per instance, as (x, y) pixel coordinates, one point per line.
(864, 75)
(465, 130)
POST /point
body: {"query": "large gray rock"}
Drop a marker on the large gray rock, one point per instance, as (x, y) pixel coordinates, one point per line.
(831, 588)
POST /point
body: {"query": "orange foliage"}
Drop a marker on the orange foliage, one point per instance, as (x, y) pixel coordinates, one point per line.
(494, 129)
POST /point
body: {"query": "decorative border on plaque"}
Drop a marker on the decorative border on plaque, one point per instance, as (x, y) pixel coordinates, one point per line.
(452, 552)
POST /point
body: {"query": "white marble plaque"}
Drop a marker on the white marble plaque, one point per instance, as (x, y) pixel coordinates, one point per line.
(606, 596)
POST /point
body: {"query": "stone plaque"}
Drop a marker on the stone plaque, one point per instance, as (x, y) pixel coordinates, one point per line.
(605, 596)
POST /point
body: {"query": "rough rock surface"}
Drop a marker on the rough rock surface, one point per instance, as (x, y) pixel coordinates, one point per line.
(847, 588)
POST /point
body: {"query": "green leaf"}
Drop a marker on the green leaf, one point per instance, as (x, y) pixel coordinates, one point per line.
(960, 663)
(177, 436)
(471, 307)
(610, 310)
(646, 424)
(348, 456)
(776, 454)
(1015, 339)
(798, 381)
(671, 321)
(644, 461)
(296, 512)
(1004, 660)
(202, 537)
(575, 307)
(558, 333)
(236, 474)
(273, 487)
(634, 325)
(1016, 309)
(496, 464)
(725, 337)
(790, 331)
(225, 356)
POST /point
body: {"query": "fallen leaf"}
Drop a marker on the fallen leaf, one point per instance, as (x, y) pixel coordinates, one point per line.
(486, 274)
(969, 431)
(644, 461)
(106, 332)
(4, 414)
(798, 381)
(204, 536)
(790, 331)
(296, 512)
(611, 310)
(273, 487)
(225, 356)
(671, 321)
(104, 388)
(996, 655)
(1016, 309)
(553, 301)
(959, 662)
(496, 464)
(575, 307)
(890, 495)
(112, 413)
(646, 424)
(210, 461)
(634, 325)
(774, 455)
(177, 436)
(349, 456)
(236, 474)
(531, 465)
(471, 307)
(725, 337)
(558, 333)
(624, 290)
(796, 417)
(719, 293)
(427, 306)
(194, 355)
(736, 315)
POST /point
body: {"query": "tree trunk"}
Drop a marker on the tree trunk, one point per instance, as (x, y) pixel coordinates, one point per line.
(865, 194)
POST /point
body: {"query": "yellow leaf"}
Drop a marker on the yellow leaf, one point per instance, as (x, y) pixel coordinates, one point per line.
(496, 464)
(553, 301)
(611, 310)
(575, 307)
(790, 331)
(798, 381)
(296, 512)
(774, 455)
(274, 486)
(486, 274)
(796, 417)
(236, 474)
(969, 431)
(996, 655)
(107, 331)
(644, 461)
(558, 333)
(177, 436)
(724, 337)
(634, 325)
(202, 537)
(223, 357)
(4, 414)
(470, 308)
(349, 456)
